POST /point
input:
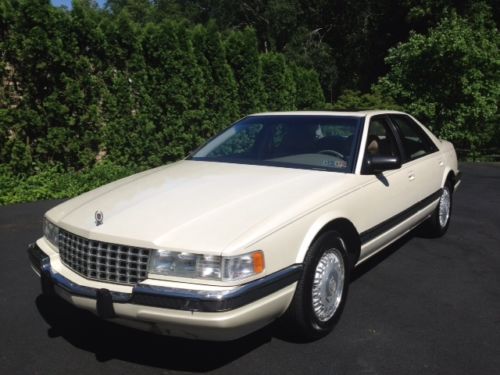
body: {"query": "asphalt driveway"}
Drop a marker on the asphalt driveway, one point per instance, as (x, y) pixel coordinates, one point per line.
(423, 306)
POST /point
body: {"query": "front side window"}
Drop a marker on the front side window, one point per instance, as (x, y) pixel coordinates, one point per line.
(380, 140)
(296, 141)
(415, 142)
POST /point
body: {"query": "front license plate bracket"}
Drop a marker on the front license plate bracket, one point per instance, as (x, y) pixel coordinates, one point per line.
(47, 284)
(104, 305)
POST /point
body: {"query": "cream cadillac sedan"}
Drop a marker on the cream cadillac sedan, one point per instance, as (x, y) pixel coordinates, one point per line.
(266, 220)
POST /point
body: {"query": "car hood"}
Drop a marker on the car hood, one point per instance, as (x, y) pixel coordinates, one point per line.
(196, 205)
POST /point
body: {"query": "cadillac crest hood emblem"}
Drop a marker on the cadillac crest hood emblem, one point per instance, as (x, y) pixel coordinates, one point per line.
(99, 217)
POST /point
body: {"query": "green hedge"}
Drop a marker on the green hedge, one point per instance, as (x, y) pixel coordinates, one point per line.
(88, 95)
(56, 183)
(83, 85)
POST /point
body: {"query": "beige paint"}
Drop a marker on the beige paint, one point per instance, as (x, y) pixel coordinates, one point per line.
(222, 208)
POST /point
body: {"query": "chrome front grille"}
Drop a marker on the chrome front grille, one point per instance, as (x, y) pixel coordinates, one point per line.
(103, 261)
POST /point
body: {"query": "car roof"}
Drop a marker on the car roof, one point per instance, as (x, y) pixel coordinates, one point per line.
(370, 112)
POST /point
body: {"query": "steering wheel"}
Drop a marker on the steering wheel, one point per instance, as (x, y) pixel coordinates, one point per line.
(332, 152)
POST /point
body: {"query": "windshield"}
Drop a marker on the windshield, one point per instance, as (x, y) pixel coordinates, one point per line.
(295, 141)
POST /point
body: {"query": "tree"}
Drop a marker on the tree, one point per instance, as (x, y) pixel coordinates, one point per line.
(243, 57)
(140, 11)
(356, 100)
(278, 83)
(307, 49)
(450, 78)
(55, 118)
(195, 115)
(309, 94)
(221, 91)
(175, 86)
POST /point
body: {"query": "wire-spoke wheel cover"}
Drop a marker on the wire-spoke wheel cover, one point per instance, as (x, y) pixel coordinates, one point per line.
(328, 284)
(444, 207)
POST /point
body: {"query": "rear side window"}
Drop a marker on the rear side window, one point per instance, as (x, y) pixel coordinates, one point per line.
(415, 142)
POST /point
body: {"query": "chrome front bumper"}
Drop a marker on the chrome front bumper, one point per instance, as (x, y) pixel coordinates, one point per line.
(163, 297)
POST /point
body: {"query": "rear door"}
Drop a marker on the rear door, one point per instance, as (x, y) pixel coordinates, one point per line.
(421, 160)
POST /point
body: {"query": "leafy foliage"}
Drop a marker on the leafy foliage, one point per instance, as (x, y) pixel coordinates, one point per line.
(458, 90)
(278, 83)
(55, 182)
(243, 57)
(308, 92)
(97, 92)
(221, 91)
(356, 100)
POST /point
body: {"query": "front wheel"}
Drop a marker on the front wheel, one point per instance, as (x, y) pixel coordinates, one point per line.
(322, 290)
(438, 223)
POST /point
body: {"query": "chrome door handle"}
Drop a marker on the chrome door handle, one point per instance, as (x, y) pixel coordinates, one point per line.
(411, 176)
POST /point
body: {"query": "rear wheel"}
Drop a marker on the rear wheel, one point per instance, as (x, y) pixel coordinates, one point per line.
(321, 292)
(438, 223)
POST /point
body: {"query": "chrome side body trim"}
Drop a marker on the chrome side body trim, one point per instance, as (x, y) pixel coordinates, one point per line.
(385, 226)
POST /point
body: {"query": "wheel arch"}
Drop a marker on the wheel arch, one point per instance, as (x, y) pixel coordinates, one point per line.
(340, 224)
(449, 176)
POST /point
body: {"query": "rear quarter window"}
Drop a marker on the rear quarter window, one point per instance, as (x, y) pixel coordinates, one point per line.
(416, 143)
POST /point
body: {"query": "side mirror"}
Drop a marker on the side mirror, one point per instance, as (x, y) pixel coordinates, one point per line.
(375, 164)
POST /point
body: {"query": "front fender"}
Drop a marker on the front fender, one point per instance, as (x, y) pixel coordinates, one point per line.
(313, 231)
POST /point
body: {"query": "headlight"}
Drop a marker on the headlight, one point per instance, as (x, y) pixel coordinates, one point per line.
(211, 267)
(51, 232)
(179, 264)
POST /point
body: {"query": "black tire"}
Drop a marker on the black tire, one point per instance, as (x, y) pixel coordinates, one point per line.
(434, 226)
(301, 318)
